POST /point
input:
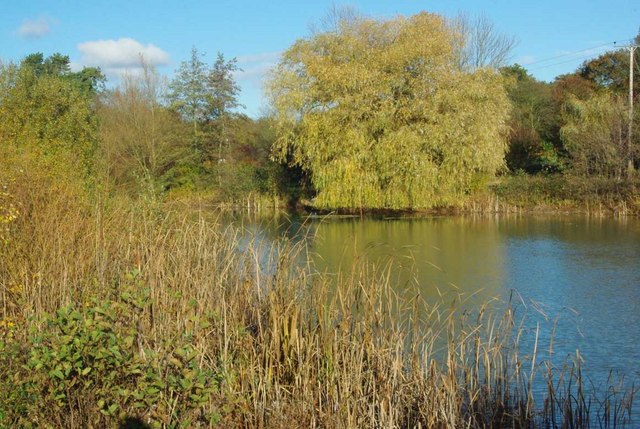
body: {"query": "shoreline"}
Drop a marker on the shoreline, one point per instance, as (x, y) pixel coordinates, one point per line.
(523, 195)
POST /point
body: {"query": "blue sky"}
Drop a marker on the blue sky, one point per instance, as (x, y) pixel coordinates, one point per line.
(110, 34)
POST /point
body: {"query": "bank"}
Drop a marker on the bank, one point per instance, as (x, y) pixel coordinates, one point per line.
(522, 194)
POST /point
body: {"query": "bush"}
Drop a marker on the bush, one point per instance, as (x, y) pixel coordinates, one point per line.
(568, 191)
(88, 365)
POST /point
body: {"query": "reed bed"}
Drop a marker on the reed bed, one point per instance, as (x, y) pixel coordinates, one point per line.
(115, 311)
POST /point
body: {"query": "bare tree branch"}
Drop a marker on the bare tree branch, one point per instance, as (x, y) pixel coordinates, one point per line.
(480, 44)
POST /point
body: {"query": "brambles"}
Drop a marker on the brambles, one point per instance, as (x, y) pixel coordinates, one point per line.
(8, 212)
(92, 366)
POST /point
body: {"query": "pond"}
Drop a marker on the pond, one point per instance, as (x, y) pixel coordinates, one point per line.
(578, 277)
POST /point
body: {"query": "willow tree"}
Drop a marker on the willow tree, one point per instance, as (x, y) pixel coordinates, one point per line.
(595, 135)
(381, 116)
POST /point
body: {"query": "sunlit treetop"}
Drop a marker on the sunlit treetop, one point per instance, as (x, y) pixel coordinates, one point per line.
(381, 114)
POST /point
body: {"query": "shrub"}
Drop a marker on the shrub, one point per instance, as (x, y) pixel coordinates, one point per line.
(89, 365)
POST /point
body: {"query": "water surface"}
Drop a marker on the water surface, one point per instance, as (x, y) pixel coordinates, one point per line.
(578, 277)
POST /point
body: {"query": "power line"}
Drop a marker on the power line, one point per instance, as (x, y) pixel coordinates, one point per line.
(592, 51)
(563, 62)
(579, 52)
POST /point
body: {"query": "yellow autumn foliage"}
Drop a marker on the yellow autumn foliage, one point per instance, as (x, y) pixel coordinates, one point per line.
(595, 134)
(381, 116)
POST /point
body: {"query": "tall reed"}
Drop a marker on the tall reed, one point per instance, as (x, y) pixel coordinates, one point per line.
(286, 345)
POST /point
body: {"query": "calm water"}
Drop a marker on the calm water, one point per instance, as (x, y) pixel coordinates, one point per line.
(578, 275)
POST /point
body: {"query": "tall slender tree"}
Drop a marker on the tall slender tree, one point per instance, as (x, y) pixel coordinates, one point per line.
(207, 97)
(188, 90)
(222, 87)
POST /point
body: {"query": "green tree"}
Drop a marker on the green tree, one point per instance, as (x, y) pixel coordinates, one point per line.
(188, 93)
(201, 93)
(223, 91)
(47, 115)
(90, 80)
(142, 145)
(595, 134)
(57, 65)
(380, 115)
(610, 71)
(207, 97)
(534, 140)
(594, 100)
(222, 100)
(35, 62)
(568, 85)
(188, 96)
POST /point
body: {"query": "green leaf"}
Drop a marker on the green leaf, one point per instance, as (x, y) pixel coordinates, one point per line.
(57, 373)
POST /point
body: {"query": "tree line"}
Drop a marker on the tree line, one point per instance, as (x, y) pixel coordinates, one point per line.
(409, 112)
(578, 124)
(145, 137)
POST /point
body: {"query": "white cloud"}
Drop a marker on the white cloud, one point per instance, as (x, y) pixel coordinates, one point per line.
(115, 57)
(257, 72)
(75, 66)
(255, 66)
(35, 28)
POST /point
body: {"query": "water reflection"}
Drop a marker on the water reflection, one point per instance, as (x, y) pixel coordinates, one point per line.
(579, 277)
(441, 255)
